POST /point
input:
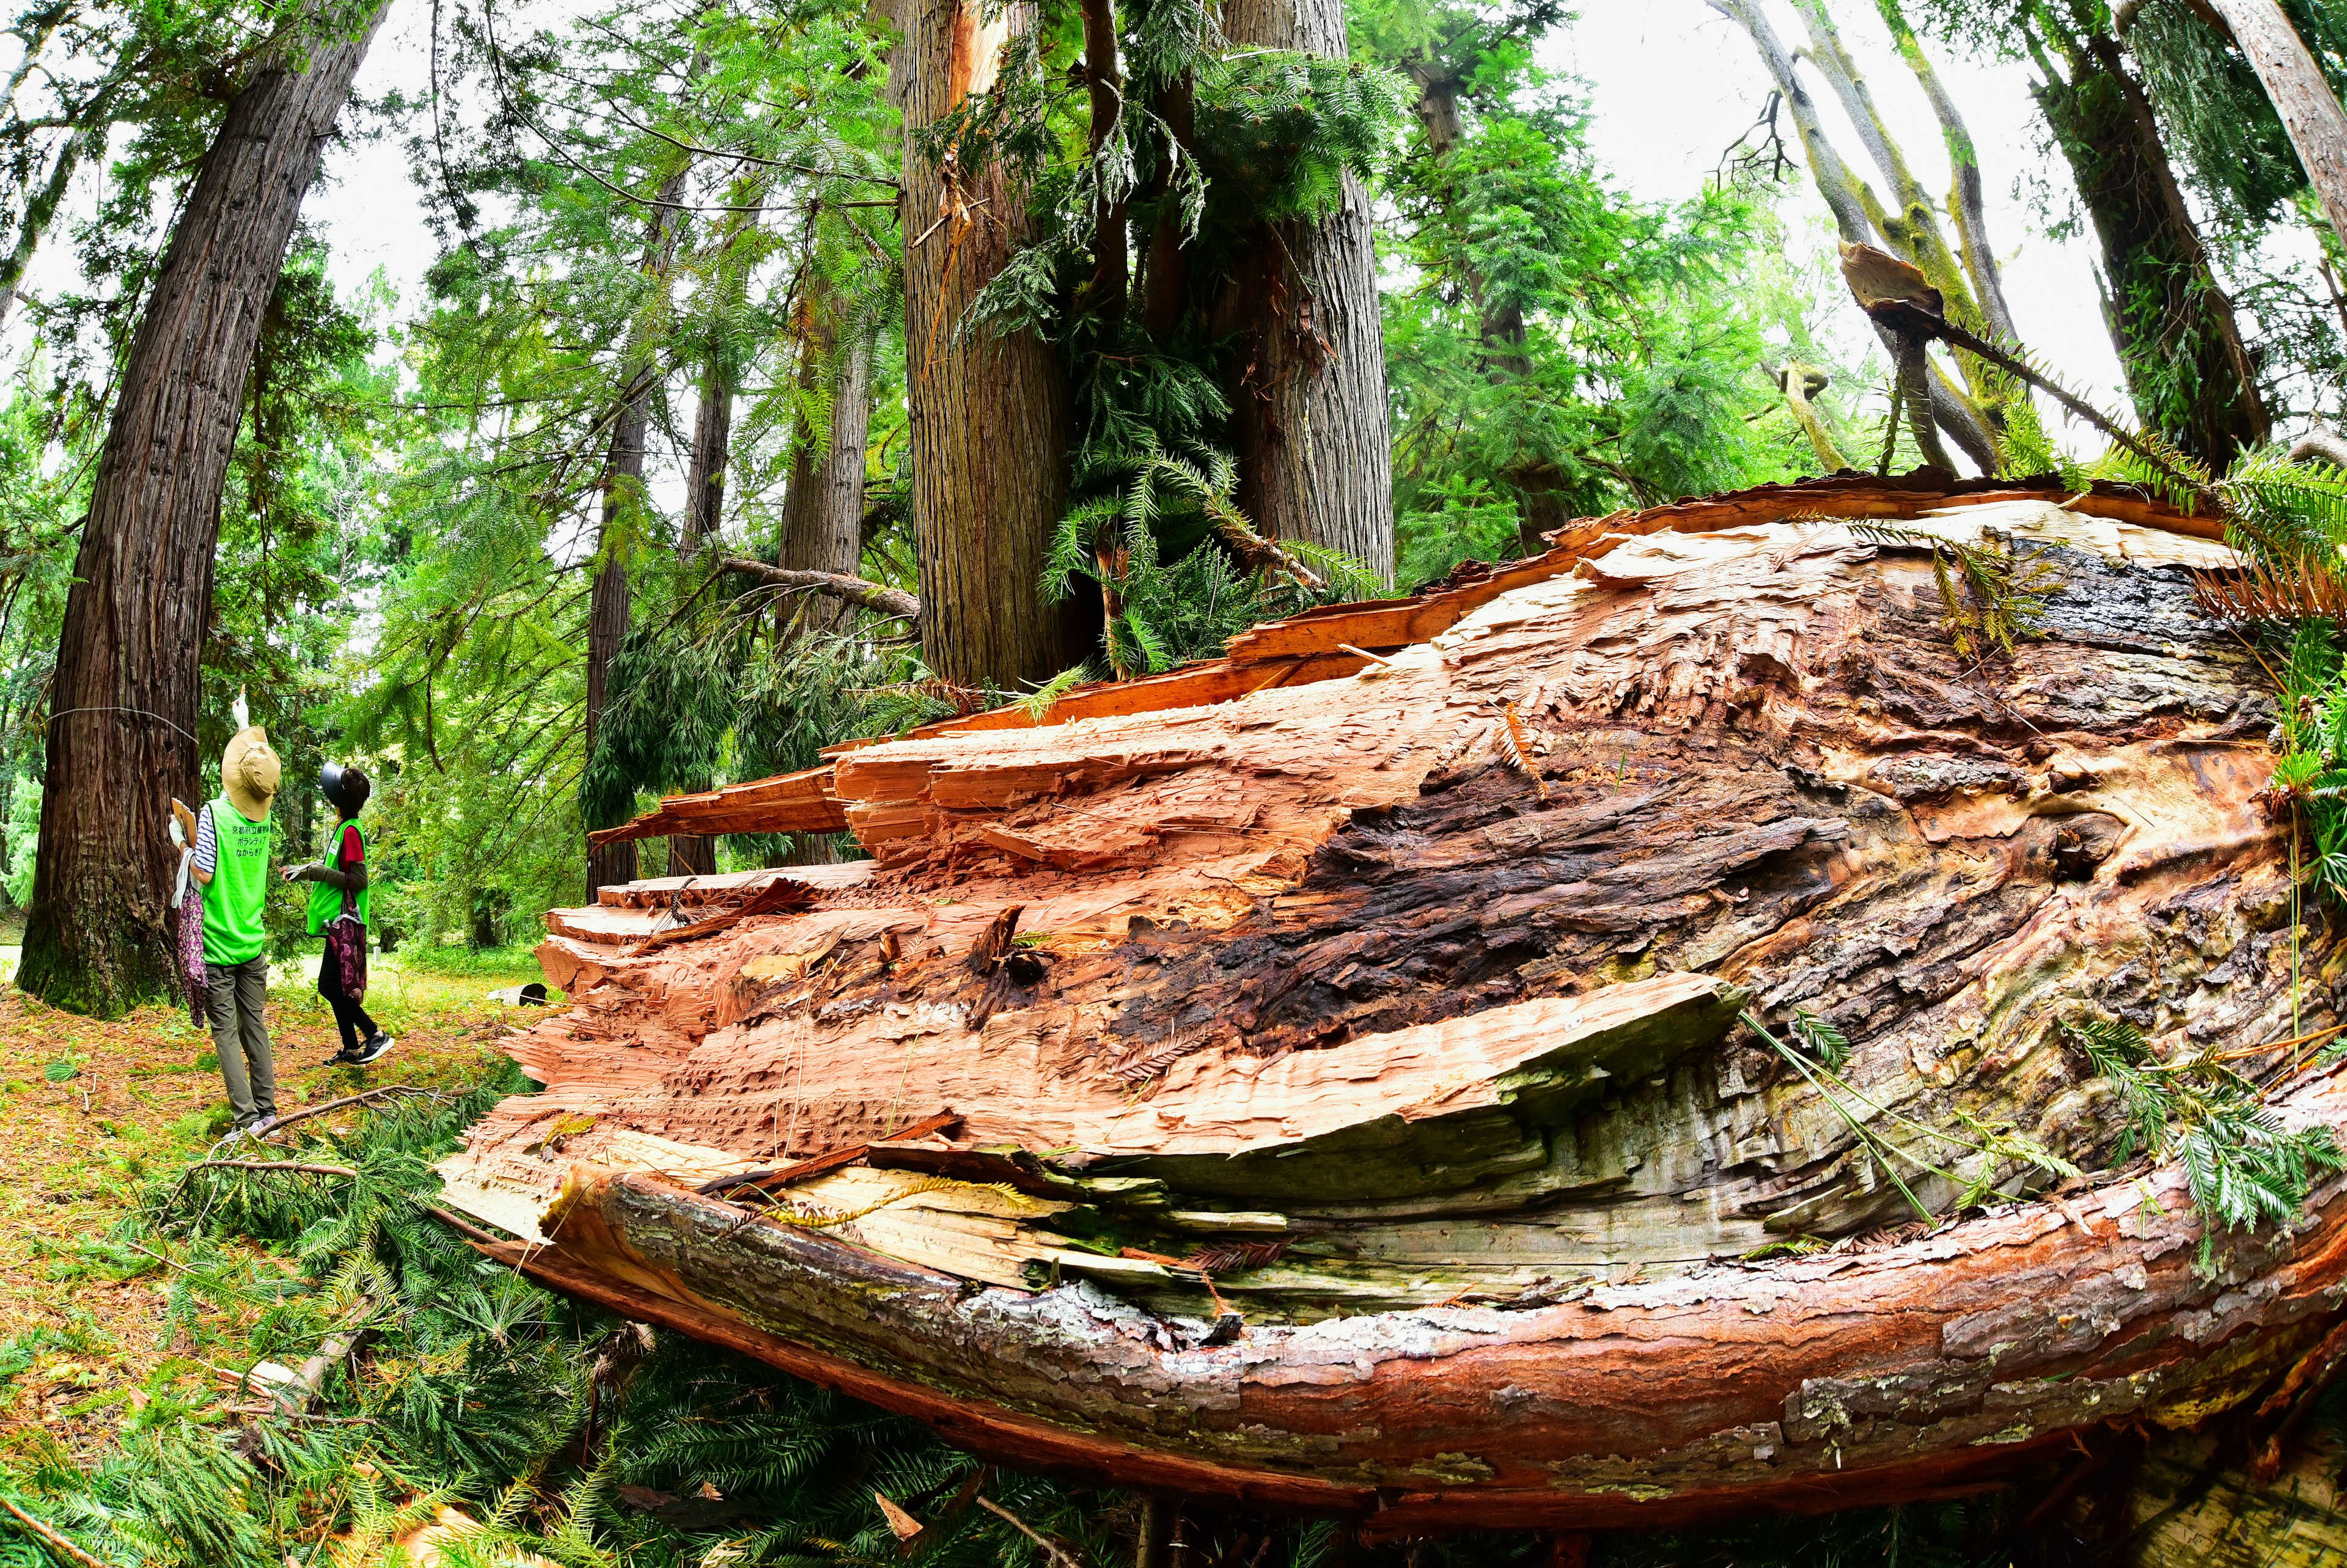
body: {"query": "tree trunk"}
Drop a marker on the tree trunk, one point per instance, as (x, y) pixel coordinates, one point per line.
(1913, 230)
(125, 700)
(695, 854)
(2309, 108)
(1855, 210)
(1967, 202)
(822, 512)
(1382, 1018)
(988, 413)
(610, 599)
(2186, 368)
(1310, 422)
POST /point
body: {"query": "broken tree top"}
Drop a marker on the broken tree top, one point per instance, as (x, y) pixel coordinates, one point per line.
(1316, 1077)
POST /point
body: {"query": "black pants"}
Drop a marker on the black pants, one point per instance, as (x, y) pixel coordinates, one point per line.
(349, 1017)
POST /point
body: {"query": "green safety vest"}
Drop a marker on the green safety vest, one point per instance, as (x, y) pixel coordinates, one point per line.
(325, 899)
(233, 930)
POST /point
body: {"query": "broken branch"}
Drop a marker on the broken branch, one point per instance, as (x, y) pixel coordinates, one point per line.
(892, 601)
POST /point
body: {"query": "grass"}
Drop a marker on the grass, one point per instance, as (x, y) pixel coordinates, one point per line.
(90, 1110)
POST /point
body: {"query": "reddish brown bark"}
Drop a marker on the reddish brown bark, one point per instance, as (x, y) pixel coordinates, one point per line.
(1309, 1004)
(1309, 422)
(990, 419)
(125, 701)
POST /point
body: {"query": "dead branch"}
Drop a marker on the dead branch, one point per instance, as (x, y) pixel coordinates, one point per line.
(1051, 1548)
(56, 1543)
(368, 1097)
(892, 601)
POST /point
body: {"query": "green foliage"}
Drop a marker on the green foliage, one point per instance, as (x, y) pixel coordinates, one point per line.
(1163, 613)
(24, 834)
(2230, 144)
(1990, 596)
(1819, 1039)
(2243, 1168)
(1820, 1054)
(1558, 347)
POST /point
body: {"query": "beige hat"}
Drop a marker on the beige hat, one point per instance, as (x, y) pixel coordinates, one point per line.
(249, 771)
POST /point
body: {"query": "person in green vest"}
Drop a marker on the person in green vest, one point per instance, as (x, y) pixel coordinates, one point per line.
(340, 877)
(232, 837)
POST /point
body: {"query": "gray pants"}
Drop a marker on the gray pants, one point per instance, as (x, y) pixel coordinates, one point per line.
(233, 995)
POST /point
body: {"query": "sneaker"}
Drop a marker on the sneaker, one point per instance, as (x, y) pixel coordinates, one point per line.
(374, 1047)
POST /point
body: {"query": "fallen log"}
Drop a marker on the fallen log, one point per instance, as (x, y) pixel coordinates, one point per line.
(1355, 1112)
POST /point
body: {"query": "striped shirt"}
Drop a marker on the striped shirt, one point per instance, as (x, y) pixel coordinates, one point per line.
(207, 845)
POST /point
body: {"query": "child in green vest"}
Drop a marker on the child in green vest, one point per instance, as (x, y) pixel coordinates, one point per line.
(343, 873)
(232, 840)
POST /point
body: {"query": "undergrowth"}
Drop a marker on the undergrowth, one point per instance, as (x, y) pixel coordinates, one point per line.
(558, 1431)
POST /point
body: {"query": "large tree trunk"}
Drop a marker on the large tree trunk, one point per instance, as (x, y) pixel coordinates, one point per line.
(693, 854)
(124, 704)
(2187, 367)
(1318, 1080)
(1310, 423)
(822, 512)
(2309, 108)
(609, 598)
(988, 413)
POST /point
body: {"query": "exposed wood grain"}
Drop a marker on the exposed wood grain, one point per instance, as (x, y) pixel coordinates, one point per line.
(1444, 1076)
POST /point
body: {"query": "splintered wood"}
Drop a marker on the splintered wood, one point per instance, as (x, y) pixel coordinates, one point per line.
(1329, 1092)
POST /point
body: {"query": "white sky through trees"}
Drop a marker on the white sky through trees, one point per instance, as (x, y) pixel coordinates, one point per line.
(1671, 84)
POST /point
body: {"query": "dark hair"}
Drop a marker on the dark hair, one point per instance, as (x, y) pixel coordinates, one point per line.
(355, 789)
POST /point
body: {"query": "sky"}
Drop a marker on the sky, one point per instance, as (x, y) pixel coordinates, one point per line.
(1670, 85)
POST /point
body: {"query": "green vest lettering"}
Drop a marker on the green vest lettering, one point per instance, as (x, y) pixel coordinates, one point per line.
(233, 930)
(326, 901)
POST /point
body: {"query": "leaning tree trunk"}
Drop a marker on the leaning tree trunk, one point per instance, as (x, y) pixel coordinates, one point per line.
(1858, 213)
(1310, 420)
(989, 411)
(123, 706)
(2187, 367)
(1331, 1077)
(2309, 110)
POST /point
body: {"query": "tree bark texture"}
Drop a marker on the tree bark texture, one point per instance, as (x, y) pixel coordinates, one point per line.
(2309, 110)
(823, 512)
(610, 598)
(1310, 422)
(1332, 1095)
(124, 704)
(695, 854)
(2188, 370)
(989, 414)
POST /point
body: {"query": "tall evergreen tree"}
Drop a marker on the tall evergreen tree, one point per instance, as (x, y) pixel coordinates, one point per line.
(123, 708)
(2188, 368)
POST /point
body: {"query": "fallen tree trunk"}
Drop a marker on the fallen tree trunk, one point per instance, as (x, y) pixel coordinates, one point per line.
(1348, 1109)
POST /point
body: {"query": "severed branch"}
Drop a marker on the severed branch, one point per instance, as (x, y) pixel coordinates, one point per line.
(51, 1539)
(370, 1098)
(1257, 551)
(891, 602)
(1051, 1548)
(1799, 383)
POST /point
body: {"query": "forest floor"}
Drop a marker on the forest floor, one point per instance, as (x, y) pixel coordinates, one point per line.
(90, 1112)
